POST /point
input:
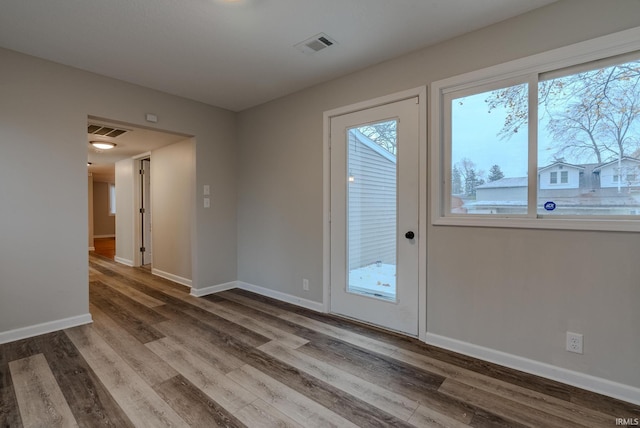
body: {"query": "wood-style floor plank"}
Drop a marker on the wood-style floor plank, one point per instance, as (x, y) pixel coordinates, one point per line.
(9, 413)
(344, 335)
(531, 398)
(272, 333)
(195, 407)
(89, 400)
(191, 338)
(426, 417)
(156, 356)
(203, 375)
(510, 410)
(377, 396)
(129, 319)
(136, 398)
(144, 362)
(118, 285)
(39, 397)
(261, 414)
(288, 401)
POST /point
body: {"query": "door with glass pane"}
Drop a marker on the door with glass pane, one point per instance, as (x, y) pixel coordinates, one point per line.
(374, 215)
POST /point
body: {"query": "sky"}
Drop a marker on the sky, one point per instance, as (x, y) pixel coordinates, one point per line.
(475, 136)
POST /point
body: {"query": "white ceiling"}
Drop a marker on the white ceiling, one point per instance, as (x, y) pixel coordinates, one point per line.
(236, 54)
(134, 142)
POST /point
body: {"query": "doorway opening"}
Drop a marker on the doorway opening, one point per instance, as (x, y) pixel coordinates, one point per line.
(146, 255)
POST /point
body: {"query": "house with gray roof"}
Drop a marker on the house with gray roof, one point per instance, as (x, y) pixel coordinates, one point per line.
(609, 188)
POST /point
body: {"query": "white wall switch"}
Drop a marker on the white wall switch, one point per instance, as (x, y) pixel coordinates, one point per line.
(207, 202)
(207, 190)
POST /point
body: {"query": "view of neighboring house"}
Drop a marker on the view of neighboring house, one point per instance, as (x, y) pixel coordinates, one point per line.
(372, 202)
(610, 188)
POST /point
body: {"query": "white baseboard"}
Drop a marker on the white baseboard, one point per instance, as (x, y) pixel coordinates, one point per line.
(47, 327)
(278, 295)
(284, 297)
(123, 261)
(199, 292)
(104, 236)
(570, 377)
(171, 277)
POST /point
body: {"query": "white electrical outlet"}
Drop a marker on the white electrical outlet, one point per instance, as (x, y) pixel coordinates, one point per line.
(574, 342)
(305, 284)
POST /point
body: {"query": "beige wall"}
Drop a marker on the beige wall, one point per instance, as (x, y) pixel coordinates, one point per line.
(104, 224)
(43, 119)
(172, 206)
(521, 290)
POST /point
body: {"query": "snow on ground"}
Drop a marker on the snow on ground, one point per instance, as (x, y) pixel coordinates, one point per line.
(376, 278)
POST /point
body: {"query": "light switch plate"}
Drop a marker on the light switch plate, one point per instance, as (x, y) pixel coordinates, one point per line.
(207, 202)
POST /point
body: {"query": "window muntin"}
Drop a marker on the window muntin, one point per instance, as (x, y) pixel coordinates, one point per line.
(578, 126)
(564, 177)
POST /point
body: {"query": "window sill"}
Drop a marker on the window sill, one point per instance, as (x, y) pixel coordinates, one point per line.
(621, 225)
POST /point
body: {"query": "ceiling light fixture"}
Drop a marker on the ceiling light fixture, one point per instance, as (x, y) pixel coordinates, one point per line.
(103, 145)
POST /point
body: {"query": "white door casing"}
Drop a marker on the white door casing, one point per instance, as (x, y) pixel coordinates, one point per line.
(397, 311)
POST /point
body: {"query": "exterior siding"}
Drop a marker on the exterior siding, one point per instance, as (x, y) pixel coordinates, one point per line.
(573, 178)
(371, 204)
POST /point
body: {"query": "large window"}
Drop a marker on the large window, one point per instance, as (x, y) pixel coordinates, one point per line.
(544, 145)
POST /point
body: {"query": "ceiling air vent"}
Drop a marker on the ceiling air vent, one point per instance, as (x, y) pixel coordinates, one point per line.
(105, 131)
(315, 44)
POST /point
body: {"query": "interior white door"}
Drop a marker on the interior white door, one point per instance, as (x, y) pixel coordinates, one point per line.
(374, 215)
(145, 167)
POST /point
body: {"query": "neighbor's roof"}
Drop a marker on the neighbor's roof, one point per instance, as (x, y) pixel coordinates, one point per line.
(505, 182)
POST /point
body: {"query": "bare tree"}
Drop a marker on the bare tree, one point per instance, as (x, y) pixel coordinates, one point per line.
(383, 134)
(591, 115)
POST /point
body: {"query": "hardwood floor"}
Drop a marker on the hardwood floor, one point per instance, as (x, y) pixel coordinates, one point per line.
(105, 247)
(155, 356)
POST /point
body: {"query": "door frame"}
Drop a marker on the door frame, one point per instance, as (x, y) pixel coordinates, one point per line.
(421, 93)
(137, 195)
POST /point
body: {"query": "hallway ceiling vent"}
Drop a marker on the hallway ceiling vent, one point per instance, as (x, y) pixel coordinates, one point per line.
(315, 44)
(105, 131)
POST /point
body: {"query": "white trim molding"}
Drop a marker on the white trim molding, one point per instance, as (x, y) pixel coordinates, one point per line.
(284, 297)
(123, 261)
(569, 377)
(171, 277)
(44, 328)
(92, 248)
(267, 292)
(423, 189)
(200, 292)
(520, 70)
(104, 236)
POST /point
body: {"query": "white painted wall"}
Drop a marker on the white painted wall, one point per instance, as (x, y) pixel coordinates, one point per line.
(44, 191)
(125, 211)
(519, 290)
(172, 206)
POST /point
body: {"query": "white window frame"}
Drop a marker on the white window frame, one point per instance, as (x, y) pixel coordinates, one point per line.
(564, 177)
(552, 175)
(522, 70)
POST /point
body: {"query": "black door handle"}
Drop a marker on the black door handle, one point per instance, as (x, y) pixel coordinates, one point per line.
(410, 235)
